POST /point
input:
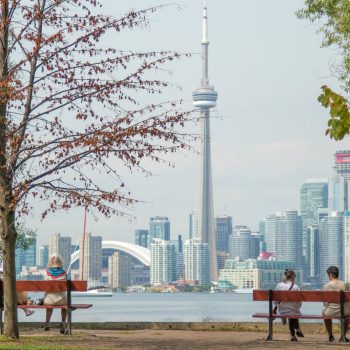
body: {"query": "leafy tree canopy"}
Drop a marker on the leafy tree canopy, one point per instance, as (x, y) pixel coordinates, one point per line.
(333, 20)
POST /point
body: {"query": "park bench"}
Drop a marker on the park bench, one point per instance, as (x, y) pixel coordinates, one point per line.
(49, 286)
(339, 297)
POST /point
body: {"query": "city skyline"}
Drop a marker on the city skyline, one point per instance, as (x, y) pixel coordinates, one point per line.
(262, 150)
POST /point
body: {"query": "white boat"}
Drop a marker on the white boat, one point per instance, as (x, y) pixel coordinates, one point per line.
(97, 292)
(243, 291)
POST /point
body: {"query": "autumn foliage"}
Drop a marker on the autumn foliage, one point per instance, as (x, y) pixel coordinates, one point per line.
(70, 109)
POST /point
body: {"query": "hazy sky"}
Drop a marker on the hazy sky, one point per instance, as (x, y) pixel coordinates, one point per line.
(267, 130)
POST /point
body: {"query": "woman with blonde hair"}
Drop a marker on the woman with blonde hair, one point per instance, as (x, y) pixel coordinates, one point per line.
(56, 272)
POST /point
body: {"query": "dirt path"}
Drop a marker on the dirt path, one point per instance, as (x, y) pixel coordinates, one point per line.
(177, 340)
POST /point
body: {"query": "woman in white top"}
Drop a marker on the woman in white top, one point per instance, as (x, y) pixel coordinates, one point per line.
(290, 308)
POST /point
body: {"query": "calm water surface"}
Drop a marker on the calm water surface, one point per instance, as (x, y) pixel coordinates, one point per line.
(167, 307)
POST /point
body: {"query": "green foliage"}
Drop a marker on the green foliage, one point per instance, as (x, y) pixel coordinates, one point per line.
(339, 123)
(333, 20)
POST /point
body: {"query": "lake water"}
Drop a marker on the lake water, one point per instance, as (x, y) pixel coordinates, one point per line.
(167, 307)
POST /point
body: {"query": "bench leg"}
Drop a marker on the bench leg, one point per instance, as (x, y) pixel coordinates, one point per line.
(269, 336)
(69, 323)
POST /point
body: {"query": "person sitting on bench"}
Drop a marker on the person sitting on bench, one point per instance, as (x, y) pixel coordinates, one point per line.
(290, 308)
(56, 272)
(333, 309)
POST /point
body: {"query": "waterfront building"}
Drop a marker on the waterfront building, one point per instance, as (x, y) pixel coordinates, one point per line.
(256, 274)
(62, 246)
(341, 180)
(331, 244)
(142, 238)
(43, 255)
(313, 196)
(223, 230)
(90, 259)
(163, 261)
(262, 232)
(25, 257)
(159, 228)
(244, 245)
(197, 262)
(119, 270)
(194, 225)
(204, 98)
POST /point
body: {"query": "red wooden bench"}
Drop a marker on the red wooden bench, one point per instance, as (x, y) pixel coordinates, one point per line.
(339, 297)
(50, 286)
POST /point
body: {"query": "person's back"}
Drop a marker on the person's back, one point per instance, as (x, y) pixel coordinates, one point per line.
(288, 307)
(333, 309)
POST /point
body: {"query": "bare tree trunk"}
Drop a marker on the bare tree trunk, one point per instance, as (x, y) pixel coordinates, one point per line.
(7, 210)
(10, 296)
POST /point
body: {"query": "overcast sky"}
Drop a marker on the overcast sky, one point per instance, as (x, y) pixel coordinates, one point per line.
(267, 130)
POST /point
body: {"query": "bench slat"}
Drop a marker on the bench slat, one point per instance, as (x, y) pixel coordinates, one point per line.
(74, 306)
(307, 296)
(50, 286)
(311, 317)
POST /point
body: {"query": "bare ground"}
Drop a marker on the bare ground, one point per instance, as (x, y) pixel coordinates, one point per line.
(168, 339)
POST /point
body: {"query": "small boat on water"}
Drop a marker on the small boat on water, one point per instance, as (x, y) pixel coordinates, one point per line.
(243, 291)
(94, 292)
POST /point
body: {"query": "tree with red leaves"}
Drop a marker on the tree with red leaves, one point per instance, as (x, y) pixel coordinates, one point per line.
(69, 108)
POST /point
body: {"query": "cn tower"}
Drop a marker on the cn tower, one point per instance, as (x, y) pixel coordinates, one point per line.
(204, 98)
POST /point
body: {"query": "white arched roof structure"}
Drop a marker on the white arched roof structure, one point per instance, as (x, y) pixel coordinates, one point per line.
(140, 253)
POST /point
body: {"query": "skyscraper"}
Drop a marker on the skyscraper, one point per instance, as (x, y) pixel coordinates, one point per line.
(197, 262)
(331, 244)
(243, 244)
(142, 238)
(313, 195)
(288, 237)
(91, 258)
(159, 227)
(204, 98)
(43, 255)
(313, 254)
(194, 225)
(347, 246)
(25, 257)
(341, 185)
(163, 261)
(223, 229)
(62, 246)
(119, 270)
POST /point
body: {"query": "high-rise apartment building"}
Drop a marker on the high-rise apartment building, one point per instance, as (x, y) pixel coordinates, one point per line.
(159, 228)
(270, 233)
(244, 245)
(331, 244)
(313, 254)
(25, 257)
(90, 259)
(223, 230)
(62, 246)
(119, 270)
(163, 261)
(43, 255)
(142, 238)
(194, 225)
(313, 197)
(197, 262)
(346, 229)
(288, 238)
(341, 179)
